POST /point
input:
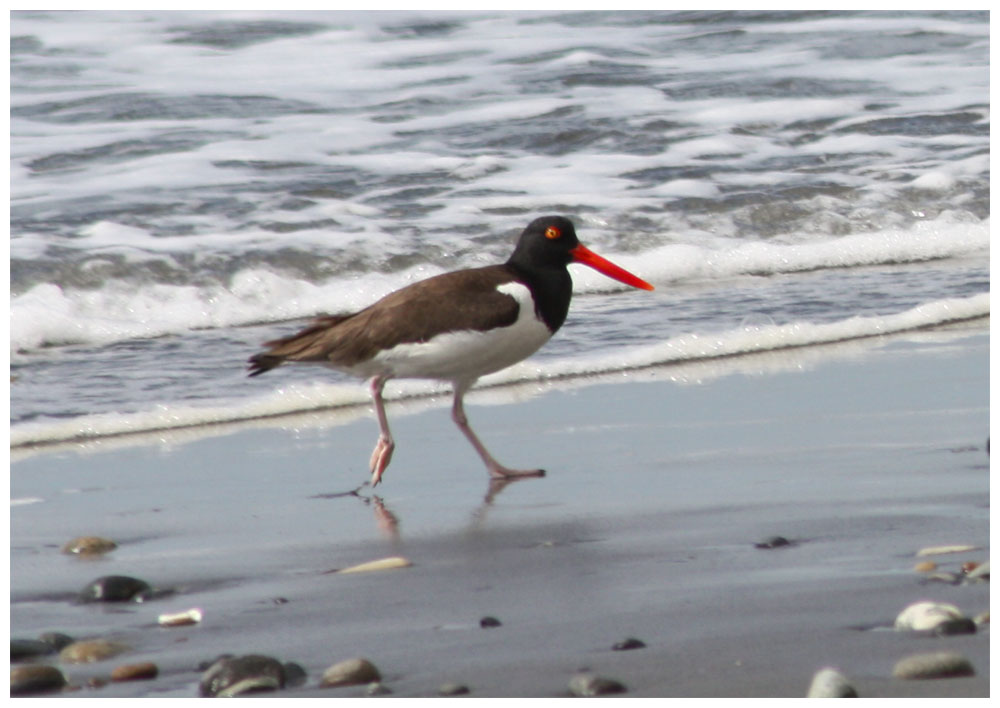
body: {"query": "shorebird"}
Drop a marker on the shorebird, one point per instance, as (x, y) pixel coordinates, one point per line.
(453, 327)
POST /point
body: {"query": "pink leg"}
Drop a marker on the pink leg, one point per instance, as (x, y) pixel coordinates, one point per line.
(495, 469)
(382, 453)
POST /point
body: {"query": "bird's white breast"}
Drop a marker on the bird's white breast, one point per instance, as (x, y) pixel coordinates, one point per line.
(467, 354)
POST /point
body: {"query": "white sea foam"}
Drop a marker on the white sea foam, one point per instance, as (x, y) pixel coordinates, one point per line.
(50, 315)
(297, 398)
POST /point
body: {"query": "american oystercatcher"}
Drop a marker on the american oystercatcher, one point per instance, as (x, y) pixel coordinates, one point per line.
(453, 327)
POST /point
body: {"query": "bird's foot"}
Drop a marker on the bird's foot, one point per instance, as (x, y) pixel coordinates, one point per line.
(381, 456)
(500, 472)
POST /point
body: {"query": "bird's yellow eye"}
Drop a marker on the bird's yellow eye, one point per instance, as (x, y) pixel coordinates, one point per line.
(552, 232)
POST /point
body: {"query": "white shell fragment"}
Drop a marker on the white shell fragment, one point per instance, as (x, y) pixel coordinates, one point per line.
(179, 619)
(941, 550)
(922, 616)
(380, 564)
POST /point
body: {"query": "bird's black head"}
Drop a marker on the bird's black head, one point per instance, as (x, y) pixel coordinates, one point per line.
(547, 242)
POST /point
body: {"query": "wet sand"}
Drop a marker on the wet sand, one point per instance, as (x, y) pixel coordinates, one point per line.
(660, 483)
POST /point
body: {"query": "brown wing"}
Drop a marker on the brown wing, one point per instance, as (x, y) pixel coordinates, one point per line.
(462, 300)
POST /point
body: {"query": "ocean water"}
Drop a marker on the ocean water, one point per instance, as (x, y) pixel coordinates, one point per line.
(186, 185)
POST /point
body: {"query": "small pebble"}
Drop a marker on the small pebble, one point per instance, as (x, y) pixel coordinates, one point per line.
(90, 650)
(925, 566)
(350, 672)
(115, 588)
(295, 675)
(237, 675)
(377, 688)
(773, 542)
(586, 685)
(940, 664)
(453, 689)
(89, 546)
(942, 550)
(627, 644)
(960, 625)
(487, 622)
(390, 563)
(56, 639)
(922, 616)
(22, 649)
(982, 618)
(180, 619)
(135, 672)
(35, 678)
(830, 683)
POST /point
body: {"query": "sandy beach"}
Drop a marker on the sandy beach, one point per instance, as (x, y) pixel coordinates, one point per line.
(660, 483)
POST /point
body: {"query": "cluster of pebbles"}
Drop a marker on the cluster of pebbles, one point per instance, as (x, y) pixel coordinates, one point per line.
(928, 618)
(33, 672)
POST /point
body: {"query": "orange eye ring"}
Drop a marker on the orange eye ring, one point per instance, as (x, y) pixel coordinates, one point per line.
(552, 233)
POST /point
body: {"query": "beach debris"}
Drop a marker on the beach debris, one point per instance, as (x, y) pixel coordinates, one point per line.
(933, 665)
(628, 644)
(35, 678)
(488, 622)
(926, 615)
(944, 550)
(115, 588)
(925, 567)
(585, 685)
(773, 542)
(143, 671)
(88, 651)
(180, 619)
(231, 676)
(350, 672)
(453, 689)
(389, 563)
(980, 573)
(89, 546)
(830, 683)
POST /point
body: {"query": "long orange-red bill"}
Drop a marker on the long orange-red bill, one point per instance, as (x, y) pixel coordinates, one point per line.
(582, 254)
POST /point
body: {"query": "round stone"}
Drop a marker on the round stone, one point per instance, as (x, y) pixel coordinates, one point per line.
(453, 689)
(487, 622)
(773, 542)
(350, 672)
(35, 678)
(115, 588)
(922, 616)
(830, 683)
(932, 665)
(89, 546)
(628, 644)
(135, 672)
(91, 650)
(237, 675)
(585, 685)
(22, 649)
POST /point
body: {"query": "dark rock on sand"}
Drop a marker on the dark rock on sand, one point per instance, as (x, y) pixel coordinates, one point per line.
(37, 678)
(585, 685)
(453, 689)
(295, 675)
(959, 625)
(89, 546)
(237, 675)
(23, 649)
(933, 665)
(773, 542)
(830, 683)
(628, 644)
(143, 671)
(349, 673)
(487, 622)
(88, 651)
(115, 588)
(56, 639)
